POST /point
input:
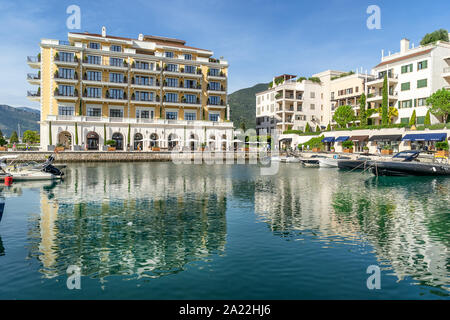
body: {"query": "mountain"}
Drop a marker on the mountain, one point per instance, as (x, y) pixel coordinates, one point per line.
(243, 105)
(10, 117)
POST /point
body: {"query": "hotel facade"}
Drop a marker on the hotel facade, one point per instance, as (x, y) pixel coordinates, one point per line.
(144, 93)
(413, 75)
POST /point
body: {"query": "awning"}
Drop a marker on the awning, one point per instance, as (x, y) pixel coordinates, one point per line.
(359, 138)
(425, 137)
(392, 137)
(285, 140)
(328, 139)
(342, 138)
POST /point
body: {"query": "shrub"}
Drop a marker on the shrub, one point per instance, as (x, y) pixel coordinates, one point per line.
(348, 144)
(315, 79)
(387, 147)
(111, 143)
(442, 145)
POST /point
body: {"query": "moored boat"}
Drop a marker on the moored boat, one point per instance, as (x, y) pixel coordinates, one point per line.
(395, 168)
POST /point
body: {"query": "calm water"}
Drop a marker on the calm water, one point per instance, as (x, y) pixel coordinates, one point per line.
(165, 231)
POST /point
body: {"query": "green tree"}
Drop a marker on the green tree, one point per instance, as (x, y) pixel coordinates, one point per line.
(329, 127)
(50, 138)
(344, 115)
(308, 127)
(440, 104)
(76, 134)
(2, 142)
(30, 136)
(243, 126)
(412, 120)
(14, 138)
(384, 104)
(362, 110)
(317, 128)
(437, 35)
(427, 120)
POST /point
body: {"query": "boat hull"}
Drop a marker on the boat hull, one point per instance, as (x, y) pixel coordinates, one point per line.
(328, 163)
(392, 168)
(353, 164)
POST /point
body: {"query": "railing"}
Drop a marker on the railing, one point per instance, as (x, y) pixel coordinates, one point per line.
(33, 93)
(446, 70)
(222, 88)
(59, 59)
(64, 43)
(32, 76)
(33, 59)
(382, 77)
(221, 103)
(220, 74)
(58, 76)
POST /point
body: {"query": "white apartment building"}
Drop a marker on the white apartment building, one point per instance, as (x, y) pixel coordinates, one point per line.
(289, 105)
(413, 75)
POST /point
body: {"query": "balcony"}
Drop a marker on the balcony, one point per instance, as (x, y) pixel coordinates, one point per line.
(446, 72)
(34, 62)
(216, 76)
(34, 78)
(378, 81)
(220, 105)
(376, 97)
(66, 96)
(136, 100)
(34, 95)
(143, 85)
(183, 103)
(60, 79)
(155, 70)
(222, 90)
(182, 88)
(66, 62)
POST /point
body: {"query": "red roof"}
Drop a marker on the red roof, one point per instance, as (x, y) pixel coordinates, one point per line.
(404, 57)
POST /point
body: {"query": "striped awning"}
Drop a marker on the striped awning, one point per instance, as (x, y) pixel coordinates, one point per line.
(425, 137)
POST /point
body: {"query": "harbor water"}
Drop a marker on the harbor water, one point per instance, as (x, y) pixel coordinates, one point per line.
(168, 231)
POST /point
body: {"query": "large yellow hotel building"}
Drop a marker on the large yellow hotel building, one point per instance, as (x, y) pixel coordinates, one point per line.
(144, 93)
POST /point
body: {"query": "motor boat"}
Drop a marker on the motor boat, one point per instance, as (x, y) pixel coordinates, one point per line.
(330, 162)
(292, 160)
(29, 171)
(313, 161)
(406, 163)
(361, 163)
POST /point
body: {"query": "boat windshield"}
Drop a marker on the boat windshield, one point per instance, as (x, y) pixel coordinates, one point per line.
(407, 155)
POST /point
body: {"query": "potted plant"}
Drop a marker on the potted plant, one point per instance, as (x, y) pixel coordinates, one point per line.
(316, 147)
(59, 147)
(347, 146)
(203, 146)
(366, 149)
(155, 148)
(2, 143)
(387, 149)
(111, 145)
(442, 149)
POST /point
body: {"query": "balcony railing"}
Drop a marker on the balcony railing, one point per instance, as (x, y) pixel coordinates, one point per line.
(68, 60)
(213, 74)
(136, 98)
(213, 103)
(32, 76)
(446, 70)
(58, 76)
(381, 77)
(33, 93)
(222, 88)
(34, 59)
(142, 83)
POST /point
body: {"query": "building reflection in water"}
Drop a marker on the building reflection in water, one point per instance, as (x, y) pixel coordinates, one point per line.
(142, 220)
(404, 220)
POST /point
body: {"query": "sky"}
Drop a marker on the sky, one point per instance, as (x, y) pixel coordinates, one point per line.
(260, 39)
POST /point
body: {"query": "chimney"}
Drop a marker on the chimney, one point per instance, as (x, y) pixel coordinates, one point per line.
(141, 37)
(103, 31)
(404, 45)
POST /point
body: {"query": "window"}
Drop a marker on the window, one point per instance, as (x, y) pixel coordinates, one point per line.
(66, 111)
(420, 120)
(94, 112)
(116, 48)
(188, 56)
(214, 72)
(407, 68)
(93, 92)
(94, 59)
(171, 115)
(94, 76)
(190, 69)
(142, 65)
(172, 67)
(422, 65)
(66, 90)
(145, 114)
(116, 62)
(332, 96)
(190, 116)
(313, 95)
(190, 98)
(116, 113)
(422, 83)
(214, 100)
(168, 54)
(116, 94)
(191, 84)
(404, 120)
(299, 107)
(405, 86)
(116, 77)
(172, 82)
(313, 106)
(213, 117)
(216, 86)
(141, 80)
(143, 96)
(94, 45)
(66, 56)
(64, 73)
(171, 97)
(406, 104)
(421, 102)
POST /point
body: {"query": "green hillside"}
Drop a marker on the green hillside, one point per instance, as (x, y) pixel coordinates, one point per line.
(10, 117)
(243, 106)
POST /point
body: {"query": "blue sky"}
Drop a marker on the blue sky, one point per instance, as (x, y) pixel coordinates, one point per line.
(259, 38)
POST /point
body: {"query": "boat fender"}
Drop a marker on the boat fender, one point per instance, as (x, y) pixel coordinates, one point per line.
(434, 169)
(8, 181)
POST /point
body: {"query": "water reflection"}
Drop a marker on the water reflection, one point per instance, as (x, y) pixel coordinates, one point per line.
(137, 220)
(405, 221)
